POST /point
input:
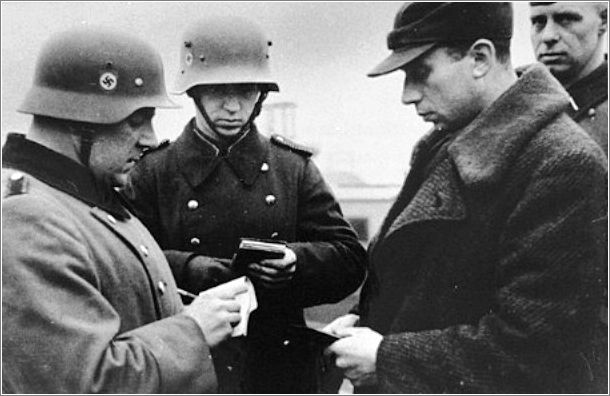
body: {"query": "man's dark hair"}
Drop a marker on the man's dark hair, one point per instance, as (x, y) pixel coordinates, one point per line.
(459, 49)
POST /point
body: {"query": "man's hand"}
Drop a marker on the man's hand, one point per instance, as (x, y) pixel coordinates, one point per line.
(276, 273)
(216, 311)
(342, 322)
(356, 354)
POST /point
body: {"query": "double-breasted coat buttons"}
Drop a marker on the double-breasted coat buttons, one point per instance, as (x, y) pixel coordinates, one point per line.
(270, 199)
(195, 241)
(192, 204)
(264, 167)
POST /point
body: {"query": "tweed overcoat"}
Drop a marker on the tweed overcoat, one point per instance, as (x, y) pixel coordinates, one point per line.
(489, 280)
(89, 304)
(198, 200)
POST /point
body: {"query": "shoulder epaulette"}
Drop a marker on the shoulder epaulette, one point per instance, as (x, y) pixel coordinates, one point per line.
(281, 141)
(13, 183)
(164, 143)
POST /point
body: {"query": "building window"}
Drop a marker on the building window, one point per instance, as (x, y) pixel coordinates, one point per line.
(361, 225)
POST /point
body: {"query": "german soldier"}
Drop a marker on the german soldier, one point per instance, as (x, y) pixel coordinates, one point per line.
(222, 180)
(89, 304)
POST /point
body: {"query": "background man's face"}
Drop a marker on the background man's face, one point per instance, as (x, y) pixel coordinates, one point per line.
(441, 88)
(566, 36)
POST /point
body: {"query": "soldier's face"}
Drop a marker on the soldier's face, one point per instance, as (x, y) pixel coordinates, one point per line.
(229, 106)
(119, 146)
(567, 36)
(441, 88)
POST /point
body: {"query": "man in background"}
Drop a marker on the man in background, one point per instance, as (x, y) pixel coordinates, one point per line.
(570, 39)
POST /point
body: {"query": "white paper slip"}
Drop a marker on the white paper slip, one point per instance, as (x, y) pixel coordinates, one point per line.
(248, 303)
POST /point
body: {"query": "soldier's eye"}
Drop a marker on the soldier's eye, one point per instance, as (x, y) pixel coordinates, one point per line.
(567, 18)
(538, 22)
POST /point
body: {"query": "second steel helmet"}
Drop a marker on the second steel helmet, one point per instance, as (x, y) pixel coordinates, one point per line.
(224, 50)
(96, 76)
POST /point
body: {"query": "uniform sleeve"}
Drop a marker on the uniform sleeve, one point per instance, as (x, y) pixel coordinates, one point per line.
(330, 260)
(59, 333)
(550, 266)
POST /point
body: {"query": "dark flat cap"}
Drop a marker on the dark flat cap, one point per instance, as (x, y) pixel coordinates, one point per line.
(418, 26)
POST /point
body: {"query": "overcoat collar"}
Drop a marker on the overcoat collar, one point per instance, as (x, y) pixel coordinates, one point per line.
(198, 157)
(482, 151)
(484, 148)
(62, 173)
(589, 91)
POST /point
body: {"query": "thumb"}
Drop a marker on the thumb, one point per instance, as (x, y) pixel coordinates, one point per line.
(346, 331)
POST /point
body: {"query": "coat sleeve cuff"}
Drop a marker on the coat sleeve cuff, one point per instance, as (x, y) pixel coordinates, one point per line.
(178, 261)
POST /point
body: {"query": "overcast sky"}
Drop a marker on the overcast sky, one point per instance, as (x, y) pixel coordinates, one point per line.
(320, 55)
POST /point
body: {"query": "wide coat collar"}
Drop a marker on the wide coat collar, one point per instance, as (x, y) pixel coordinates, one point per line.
(481, 152)
(61, 173)
(198, 157)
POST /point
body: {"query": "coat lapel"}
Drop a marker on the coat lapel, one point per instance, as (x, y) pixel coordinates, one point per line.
(438, 198)
(481, 152)
(196, 157)
(247, 155)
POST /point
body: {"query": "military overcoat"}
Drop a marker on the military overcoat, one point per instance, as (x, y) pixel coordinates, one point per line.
(89, 304)
(198, 200)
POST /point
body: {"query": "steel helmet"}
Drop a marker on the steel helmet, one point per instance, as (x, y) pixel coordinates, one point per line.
(96, 76)
(224, 50)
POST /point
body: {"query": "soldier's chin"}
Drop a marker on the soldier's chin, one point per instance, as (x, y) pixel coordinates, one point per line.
(228, 131)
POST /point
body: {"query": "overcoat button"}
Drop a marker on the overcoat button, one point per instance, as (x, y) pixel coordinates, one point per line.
(144, 250)
(270, 199)
(192, 204)
(286, 342)
(264, 167)
(161, 287)
(111, 219)
(275, 235)
(592, 112)
(230, 368)
(195, 241)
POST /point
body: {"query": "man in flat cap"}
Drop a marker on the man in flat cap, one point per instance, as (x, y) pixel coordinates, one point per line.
(570, 39)
(487, 271)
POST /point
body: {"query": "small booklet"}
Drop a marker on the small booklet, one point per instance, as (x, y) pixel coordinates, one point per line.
(252, 250)
(310, 335)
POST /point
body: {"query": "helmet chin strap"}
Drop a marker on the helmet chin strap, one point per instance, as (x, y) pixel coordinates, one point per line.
(85, 134)
(255, 112)
(86, 142)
